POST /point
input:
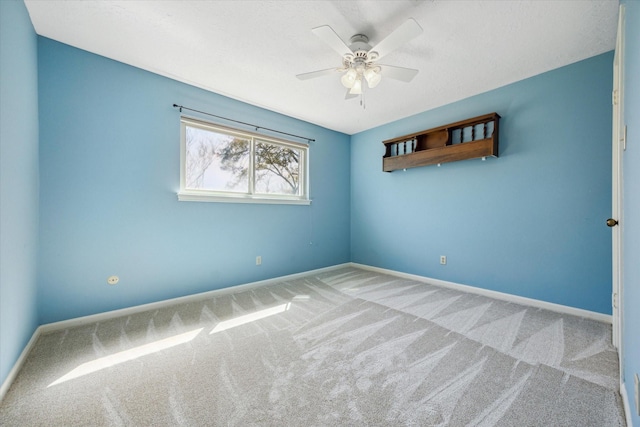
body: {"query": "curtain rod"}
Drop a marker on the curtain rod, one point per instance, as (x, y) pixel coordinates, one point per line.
(181, 107)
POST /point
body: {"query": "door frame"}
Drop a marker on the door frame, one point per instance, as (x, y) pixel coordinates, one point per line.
(618, 146)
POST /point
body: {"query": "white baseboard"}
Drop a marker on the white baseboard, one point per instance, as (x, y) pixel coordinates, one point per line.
(606, 318)
(13, 373)
(100, 317)
(625, 404)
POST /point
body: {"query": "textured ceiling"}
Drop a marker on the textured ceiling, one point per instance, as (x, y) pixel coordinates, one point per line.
(252, 50)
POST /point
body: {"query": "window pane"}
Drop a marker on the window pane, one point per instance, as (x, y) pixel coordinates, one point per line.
(216, 161)
(277, 169)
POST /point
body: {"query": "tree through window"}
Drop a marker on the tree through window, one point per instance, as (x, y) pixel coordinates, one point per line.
(220, 162)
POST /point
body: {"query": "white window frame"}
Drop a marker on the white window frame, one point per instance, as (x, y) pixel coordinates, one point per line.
(196, 195)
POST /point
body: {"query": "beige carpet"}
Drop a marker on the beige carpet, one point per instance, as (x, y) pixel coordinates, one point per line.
(346, 347)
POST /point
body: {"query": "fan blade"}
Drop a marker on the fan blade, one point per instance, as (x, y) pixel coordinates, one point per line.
(330, 37)
(402, 35)
(398, 73)
(319, 73)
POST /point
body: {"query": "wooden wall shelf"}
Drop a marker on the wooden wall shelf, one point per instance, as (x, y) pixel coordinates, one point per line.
(466, 139)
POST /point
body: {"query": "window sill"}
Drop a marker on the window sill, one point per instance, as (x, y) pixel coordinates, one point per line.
(201, 197)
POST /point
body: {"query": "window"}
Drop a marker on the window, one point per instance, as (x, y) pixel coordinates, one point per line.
(225, 165)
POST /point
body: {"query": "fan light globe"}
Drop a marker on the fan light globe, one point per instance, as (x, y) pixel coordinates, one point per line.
(357, 87)
(349, 78)
(373, 77)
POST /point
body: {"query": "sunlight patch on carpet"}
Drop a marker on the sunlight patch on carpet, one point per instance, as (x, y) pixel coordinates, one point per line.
(127, 355)
(251, 317)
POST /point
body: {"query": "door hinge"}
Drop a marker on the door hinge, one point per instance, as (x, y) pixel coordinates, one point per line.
(614, 300)
(614, 97)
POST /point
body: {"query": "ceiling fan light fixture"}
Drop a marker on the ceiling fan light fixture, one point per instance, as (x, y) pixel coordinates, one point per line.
(373, 76)
(349, 78)
(357, 87)
(359, 58)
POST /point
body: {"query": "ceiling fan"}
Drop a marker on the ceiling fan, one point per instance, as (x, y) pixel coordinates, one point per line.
(359, 58)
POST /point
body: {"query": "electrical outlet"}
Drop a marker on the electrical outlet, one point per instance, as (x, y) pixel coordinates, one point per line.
(112, 280)
(443, 259)
(258, 260)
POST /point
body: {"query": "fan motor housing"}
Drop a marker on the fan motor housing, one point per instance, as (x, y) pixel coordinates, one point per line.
(359, 42)
(360, 48)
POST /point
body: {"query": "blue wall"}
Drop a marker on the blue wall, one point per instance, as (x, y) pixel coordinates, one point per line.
(18, 182)
(528, 223)
(109, 158)
(631, 209)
